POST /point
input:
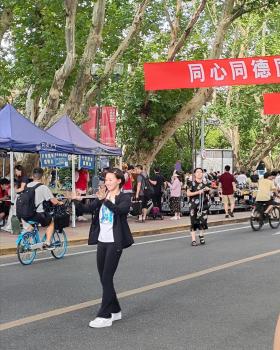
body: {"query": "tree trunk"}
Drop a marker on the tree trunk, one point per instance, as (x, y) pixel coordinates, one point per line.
(5, 21)
(79, 98)
(111, 63)
(65, 70)
(261, 150)
(28, 161)
(32, 105)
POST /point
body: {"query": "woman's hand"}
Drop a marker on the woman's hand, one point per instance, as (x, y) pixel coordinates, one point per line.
(101, 194)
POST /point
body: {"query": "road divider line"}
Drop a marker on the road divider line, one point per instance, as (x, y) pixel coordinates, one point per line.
(150, 287)
(135, 244)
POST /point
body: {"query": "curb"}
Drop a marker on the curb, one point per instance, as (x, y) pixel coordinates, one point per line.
(140, 233)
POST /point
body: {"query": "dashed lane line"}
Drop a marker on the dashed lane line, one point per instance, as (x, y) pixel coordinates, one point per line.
(136, 291)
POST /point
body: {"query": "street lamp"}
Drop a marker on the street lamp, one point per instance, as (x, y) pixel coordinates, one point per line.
(209, 121)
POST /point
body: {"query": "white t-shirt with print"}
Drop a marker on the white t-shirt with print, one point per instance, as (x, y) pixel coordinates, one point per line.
(106, 220)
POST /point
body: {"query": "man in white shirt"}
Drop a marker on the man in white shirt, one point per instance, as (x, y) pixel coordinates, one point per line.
(42, 194)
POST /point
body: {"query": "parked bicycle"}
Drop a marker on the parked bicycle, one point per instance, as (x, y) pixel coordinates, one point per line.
(258, 218)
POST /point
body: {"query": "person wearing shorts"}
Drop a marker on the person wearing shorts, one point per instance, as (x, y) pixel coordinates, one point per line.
(42, 194)
(266, 189)
(227, 187)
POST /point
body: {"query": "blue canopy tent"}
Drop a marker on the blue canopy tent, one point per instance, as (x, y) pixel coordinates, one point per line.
(66, 130)
(18, 134)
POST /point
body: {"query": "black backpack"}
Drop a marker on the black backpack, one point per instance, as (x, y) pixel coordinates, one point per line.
(25, 205)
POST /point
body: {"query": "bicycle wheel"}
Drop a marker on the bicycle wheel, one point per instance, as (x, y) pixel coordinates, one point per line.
(25, 254)
(59, 241)
(256, 220)
(274, 218)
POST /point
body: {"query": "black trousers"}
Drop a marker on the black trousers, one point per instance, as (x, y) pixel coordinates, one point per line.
(79, 207)
(156, 198)
(107, 262)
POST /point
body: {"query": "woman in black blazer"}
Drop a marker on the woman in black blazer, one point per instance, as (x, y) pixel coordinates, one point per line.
(110, 231)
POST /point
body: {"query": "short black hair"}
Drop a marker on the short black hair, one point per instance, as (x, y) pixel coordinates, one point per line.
(227, 168)
(38, 173)
(130, 167)
(139, 166)
(4, 181)
(197, 169)
(273, 173)
(118, 173)
(157, 169)
(266, 175)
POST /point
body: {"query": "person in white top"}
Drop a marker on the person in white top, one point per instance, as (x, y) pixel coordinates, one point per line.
(111, 233)
(241, 179)
(277, 180)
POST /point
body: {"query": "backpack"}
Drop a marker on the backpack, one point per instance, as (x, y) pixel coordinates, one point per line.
(25, 205)
(148, 188)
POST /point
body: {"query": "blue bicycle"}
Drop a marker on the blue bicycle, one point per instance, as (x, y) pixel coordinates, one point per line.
(28, 243)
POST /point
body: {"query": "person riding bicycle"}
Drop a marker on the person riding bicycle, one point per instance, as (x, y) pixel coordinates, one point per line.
(42, 194)
(266, 189)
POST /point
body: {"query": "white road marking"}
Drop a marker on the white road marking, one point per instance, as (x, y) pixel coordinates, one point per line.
(136, 291)
(135, 244)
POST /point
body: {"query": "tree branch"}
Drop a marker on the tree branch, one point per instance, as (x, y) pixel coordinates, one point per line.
(175, 47)
(178, 143)
(168, 17)
(110, 64)
(65, 70)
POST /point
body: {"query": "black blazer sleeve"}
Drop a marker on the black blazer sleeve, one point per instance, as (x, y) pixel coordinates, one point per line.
(91, 207)
(122, 205)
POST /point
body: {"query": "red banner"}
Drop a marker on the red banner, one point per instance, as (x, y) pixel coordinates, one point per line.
(90, 127)
(207, 73)
(271, 103)
(107, 125)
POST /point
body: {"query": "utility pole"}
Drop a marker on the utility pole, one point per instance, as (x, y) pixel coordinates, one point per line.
(202, 140)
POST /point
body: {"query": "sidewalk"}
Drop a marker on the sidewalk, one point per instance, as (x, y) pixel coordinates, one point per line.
(79, 234)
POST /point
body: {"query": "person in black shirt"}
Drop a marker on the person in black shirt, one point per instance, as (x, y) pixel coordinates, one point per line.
(21, 180)
(197, 191)
(158, 183)
(255, 179)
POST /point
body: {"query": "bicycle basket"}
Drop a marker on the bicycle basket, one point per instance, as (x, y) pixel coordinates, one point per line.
(61, 217)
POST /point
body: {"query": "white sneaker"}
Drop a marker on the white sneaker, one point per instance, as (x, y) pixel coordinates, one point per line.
(117, 316)
(101, 322)
(81, 218)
